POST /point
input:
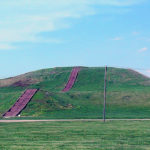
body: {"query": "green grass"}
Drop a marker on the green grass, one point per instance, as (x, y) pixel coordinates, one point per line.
(128, 94)
(8, 97)
(113, 135)
(89, 105)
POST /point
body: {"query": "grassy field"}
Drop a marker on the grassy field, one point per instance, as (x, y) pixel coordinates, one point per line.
(128, 94)
(113, 135)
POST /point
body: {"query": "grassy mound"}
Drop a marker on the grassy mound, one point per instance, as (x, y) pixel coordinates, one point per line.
(128, 93)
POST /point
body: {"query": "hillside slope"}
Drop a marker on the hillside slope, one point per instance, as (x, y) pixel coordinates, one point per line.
(128, 93)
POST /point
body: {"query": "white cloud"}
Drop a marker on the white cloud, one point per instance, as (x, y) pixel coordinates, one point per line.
(135, 33)
(117, 39)
(143, 49)
(24, 20)
(6, 46)
(148, 71)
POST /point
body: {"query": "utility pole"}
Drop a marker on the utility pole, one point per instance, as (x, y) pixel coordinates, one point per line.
(105, 80)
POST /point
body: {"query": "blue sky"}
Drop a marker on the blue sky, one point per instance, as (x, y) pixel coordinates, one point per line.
(36, 34)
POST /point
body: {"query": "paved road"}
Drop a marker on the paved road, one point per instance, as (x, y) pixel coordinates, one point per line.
(72, 120)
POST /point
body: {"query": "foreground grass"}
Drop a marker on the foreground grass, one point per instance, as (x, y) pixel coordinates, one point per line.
(113, 135)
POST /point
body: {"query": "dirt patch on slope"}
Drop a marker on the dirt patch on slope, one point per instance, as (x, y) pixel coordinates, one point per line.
(24, 83)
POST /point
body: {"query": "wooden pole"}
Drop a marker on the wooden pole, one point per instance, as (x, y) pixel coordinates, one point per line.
(105, 80)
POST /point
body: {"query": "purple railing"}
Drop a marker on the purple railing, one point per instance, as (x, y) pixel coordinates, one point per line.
(20, 103)
(72, 79)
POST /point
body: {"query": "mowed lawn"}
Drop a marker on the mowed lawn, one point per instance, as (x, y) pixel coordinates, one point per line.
(112, 135)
